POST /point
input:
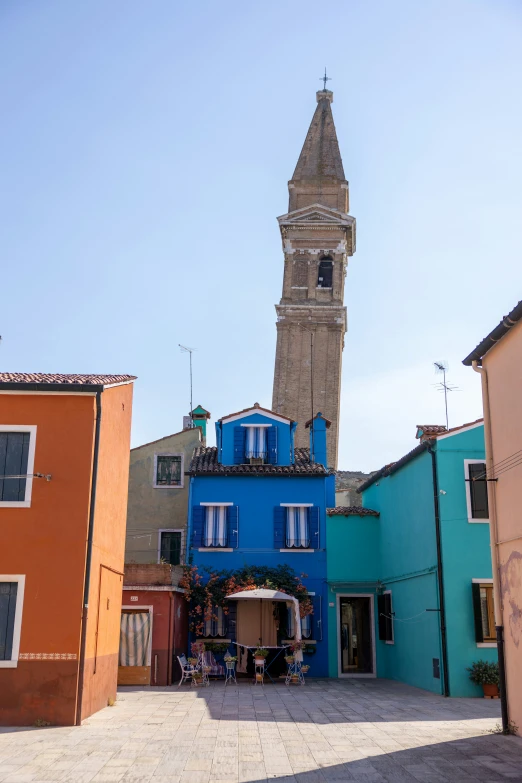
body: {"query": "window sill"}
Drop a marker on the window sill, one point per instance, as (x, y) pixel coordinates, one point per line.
(8, 664)
(15, 504)
(213, 640)
(215, 549)
(478, 521)
(304, 641)
(486, 644)
(389, 641)
(297, 549)
(168, 486)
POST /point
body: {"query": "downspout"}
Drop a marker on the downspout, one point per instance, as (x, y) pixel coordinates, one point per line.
(440, 575)
(88, 561)
(494, 539)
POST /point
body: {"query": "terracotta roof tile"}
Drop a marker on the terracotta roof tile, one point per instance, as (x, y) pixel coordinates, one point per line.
(205, 461)
(62, 379)
(346, 511)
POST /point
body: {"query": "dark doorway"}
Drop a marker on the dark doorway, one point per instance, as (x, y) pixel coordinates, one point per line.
(355, 635)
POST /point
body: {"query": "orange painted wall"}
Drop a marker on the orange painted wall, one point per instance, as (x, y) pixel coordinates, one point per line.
(47, 543)
(101, 665)
(503, 364)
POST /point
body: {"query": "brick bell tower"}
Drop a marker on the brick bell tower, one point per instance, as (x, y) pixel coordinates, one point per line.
(318, 237)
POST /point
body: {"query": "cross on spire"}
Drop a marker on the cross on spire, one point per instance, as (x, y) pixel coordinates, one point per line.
(325, 79)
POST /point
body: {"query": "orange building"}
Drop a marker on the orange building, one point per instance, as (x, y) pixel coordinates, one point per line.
(64, 468)
(498, 359)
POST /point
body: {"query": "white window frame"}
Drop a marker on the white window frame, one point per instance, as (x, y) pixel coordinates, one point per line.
(392, 640)
(488, 581)
(172, 530)
(471, 519)
(31, 429)
(17, 627)
(155, 474)
(216, 548)
(296, 550)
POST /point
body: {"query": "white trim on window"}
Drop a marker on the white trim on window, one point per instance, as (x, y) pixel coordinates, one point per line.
(296, 505)
(31, 429)
(182, 545)
(215, 549)
(486, 644)
(256, 425)
(468, 462)
(155, 474)
(392, 640)
(488, 581)
(296, 550)
(216, 504)
(17, 627)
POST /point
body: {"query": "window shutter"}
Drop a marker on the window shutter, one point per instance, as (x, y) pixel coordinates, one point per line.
(272, 444)
(477, 612)
(14, 451)
(232, 526)
(478, 488)
(317, 618)
(239, 445)
(8, 592)
(313, 523)
(279, 527)
(231, 618)
(381, 609)
(198, 525)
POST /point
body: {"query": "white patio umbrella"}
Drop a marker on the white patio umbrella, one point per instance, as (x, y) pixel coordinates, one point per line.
(263, 594)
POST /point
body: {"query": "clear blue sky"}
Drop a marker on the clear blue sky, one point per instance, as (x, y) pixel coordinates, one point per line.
(145, 152)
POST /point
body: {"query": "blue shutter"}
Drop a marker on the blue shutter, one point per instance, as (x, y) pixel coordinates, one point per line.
(8, 592)
(317, 618)
(14, 450)
(198, 525)
(271, 443)
(232, 526)
(279, 527)
(231, 621)
(239, 445)
(313, 522)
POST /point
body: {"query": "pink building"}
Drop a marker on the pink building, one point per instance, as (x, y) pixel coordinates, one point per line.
(498, 358)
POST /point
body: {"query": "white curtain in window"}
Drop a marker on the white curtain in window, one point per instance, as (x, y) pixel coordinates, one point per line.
(297, 534)
(215, 626)
(256, 442)
(290, 621)
(216, 526)
(134, 639)
(306, 626)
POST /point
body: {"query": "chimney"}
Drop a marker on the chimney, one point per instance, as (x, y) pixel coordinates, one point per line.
(318, 446)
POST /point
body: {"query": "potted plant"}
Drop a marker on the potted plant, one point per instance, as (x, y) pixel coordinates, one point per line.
(289, 659)
(259, 656)
(305, 669)
(230, 658)
(192, 661)
(485, 673)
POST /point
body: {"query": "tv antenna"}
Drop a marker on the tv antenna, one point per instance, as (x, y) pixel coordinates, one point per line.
(443, 386)
(186, 349)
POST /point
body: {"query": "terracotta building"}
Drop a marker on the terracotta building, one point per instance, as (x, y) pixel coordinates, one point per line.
(64, 466)
(498, 359)
(318, 238)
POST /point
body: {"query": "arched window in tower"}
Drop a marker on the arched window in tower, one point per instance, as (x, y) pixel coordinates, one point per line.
(324, 278)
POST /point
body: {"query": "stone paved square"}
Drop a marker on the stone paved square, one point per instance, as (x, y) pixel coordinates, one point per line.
(376, 731)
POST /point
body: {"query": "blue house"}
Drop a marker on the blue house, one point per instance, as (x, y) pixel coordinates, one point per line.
(410, 580)
(258, 503)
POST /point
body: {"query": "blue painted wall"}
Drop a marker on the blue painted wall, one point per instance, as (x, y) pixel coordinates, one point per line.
(466, 555)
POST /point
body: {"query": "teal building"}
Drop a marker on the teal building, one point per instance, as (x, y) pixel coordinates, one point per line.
(409, 574)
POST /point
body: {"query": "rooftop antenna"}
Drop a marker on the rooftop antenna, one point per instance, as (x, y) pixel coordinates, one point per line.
(186, 349)
(443, 386)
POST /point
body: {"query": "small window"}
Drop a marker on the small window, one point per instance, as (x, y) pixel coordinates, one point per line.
(14, 454)
(324, 278)
(170, 547)
(484, 612)
(477, 490)
(256, 444)
(8, 592)
(306, 624)
(215, 626)
(168, 470)
(297, 527)
(385, 620)
(215, 534)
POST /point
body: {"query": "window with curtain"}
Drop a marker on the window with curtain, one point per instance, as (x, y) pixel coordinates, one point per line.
(306, 624)
(255, 447)
(215, 526)
(297, 527)
(216, 625)
(484, 612)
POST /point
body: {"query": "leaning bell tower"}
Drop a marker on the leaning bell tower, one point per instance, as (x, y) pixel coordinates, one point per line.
(318, 237)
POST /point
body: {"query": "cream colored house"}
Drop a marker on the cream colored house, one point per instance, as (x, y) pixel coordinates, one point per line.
(498, 358)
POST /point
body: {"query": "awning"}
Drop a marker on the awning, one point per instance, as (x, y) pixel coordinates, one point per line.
(264, 594)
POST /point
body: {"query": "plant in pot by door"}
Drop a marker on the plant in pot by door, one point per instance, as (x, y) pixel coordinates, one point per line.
(259, 656)
(485, 673)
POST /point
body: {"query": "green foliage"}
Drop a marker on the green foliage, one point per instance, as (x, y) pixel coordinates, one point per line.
(512, 728)
(483, 673)
(261, 652)
(216, 647)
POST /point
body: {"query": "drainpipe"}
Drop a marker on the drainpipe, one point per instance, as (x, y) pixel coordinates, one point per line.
(88, 561)
(440, 575)
(494, 539)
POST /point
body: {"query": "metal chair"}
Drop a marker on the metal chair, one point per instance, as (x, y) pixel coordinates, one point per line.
(187, 670)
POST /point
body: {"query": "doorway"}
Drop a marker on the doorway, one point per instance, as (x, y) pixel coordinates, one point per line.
(356, 637)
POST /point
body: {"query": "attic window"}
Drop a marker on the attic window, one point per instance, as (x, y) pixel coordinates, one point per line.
(324, 278)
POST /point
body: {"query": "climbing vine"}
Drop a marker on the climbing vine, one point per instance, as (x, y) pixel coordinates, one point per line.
(210, 589)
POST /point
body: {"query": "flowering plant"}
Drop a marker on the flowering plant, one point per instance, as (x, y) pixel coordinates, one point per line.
(297, 645)
(261, 652)
(197, 648)
(192, 661)
(230, 658)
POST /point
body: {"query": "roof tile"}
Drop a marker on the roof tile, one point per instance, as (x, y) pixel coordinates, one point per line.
(346, 511)
(205, 460)
(61, 379)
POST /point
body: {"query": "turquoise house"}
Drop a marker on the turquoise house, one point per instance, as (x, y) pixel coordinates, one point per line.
(409, 574)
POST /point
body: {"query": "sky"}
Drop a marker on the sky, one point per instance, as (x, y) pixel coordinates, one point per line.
(145, 150)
